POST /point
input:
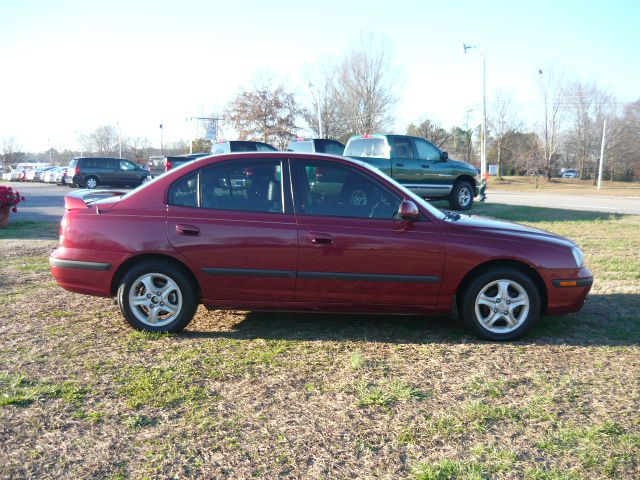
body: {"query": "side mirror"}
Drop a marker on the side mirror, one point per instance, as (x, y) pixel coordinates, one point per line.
(408, 211)
(444, 156)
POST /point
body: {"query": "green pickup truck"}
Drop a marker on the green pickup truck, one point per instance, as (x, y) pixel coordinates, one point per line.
(419, 166)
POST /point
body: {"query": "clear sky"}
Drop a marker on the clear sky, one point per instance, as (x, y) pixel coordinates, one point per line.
(71, 66)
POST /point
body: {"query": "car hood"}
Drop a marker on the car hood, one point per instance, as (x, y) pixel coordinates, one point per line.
(463, 166)
(490, 226)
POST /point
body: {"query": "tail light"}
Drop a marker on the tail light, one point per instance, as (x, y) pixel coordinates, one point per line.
(77, 171)
(169, 166)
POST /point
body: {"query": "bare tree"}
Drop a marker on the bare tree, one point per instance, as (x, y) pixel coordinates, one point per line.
(429, 130)
(503, 120)
(554, 96)
(11, 153)
(324, 93)
(102, 141)
(367, 88)
(589, 107)
(266, 113)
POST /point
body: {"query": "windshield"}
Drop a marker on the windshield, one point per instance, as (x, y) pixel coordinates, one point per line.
(408, 193)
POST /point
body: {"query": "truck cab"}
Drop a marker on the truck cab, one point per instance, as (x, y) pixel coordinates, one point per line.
(418, 165)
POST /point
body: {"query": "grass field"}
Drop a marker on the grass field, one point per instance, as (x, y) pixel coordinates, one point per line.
(572, 186)
(255, 395)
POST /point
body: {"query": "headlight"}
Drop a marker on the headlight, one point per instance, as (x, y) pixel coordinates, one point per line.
(578, 256)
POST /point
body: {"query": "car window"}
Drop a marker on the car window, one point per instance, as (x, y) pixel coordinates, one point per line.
(329, 146)
(263, 147)
(402, 148)
(330, 189)
(184, 192)
(301, 146)
(426, 151)
(126, 165)
(244, 186)
(367, 147)
(220, 148)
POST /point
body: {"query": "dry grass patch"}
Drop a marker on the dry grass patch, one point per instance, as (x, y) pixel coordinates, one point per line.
(246, 394)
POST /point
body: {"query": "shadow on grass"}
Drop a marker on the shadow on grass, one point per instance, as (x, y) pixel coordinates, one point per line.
(519, 213)
(26, 230)
(606, 320)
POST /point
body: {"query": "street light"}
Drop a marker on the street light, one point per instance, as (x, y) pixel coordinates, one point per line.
(483, 130)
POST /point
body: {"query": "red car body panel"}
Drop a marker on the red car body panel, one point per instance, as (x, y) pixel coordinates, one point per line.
(295, 262)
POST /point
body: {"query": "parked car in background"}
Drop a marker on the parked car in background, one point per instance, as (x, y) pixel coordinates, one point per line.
(30, 175)
(264, 231)
(50, 176)
(38, 177)
(570, 173)
(234, 146)
(90, 172)
(418, 165)
(316, 145)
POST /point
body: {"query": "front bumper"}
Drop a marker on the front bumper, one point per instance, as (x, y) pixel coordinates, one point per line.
(567, 289)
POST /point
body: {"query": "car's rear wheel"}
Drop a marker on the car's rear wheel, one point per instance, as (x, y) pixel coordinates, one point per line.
(91, 182)
(461, 196)
(500, 304)
(157, 297)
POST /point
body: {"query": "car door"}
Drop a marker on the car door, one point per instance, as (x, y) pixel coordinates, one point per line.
(127, 173)
(404, 162)
(352, 249)
(233, 221)
(436, 175)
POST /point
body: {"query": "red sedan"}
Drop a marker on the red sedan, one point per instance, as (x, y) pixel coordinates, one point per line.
(302, 232)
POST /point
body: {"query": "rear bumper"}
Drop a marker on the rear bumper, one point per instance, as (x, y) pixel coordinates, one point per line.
(567, 289)
(82, 276)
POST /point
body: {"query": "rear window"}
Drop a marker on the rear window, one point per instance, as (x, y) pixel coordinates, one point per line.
(367, 147)
(301, 146)
(73, 163)
(329, 146)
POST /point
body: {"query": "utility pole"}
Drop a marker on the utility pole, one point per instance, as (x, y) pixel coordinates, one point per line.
(604, 130)
(161, 139)
(483, 128)
(119, 138)
(312, 87)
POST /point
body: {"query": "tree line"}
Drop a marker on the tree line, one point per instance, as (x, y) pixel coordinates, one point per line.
(357, 93)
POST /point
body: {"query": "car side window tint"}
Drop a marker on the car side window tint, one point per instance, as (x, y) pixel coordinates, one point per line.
(184, 192)
(334, 190)
(402, 147)
(243, 186)
(426, 151)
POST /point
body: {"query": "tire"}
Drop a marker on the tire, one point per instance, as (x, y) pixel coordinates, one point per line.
(170, 308)
(91, 182)
(461, 196)
(483, 300)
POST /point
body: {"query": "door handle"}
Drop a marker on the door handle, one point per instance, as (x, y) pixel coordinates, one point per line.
(399, 164)
(425, 166)
(188, 230)
(321, 238)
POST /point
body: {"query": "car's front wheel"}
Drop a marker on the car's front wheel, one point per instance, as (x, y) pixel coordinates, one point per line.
(461, 196)
(500, 304)
(158, 297)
